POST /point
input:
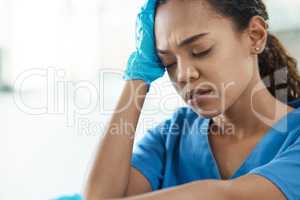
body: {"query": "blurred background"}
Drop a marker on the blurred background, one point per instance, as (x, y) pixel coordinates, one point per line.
(61, 63)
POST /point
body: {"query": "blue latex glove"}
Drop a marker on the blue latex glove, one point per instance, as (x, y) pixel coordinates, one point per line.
(74, 197)
(144, 63)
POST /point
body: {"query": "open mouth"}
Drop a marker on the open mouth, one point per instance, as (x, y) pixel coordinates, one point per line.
(197, 96)
(198, 92)
(202, 92)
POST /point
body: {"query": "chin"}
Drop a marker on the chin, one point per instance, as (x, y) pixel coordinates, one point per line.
(207, 113)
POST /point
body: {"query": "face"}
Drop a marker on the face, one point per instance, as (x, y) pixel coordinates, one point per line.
(202, 51)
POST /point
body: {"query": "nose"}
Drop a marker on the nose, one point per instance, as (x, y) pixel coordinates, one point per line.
(186, 71)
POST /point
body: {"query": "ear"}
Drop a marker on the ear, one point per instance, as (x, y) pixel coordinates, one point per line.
(257, 30)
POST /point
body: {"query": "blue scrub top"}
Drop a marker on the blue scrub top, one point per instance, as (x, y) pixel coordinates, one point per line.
(177, 151)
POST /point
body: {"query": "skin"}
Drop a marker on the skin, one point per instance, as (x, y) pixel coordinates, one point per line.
(230, 68)
(233, 59)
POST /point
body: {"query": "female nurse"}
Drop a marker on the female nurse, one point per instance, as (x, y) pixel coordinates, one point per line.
(236, 139)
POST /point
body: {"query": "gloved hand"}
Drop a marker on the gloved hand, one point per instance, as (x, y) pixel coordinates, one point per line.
(73, 197)
(144, 63)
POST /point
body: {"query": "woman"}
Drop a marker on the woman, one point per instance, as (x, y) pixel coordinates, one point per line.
(235, 140)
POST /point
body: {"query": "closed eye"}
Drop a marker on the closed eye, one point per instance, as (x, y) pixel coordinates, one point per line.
(201, 54)
(197, 55)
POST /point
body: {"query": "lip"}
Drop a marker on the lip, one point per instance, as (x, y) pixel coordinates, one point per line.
(199, 91)
(199, 95)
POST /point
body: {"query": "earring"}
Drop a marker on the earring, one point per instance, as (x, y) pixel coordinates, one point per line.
(257, 48)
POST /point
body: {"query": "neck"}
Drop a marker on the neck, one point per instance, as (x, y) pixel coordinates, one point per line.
(252, 113)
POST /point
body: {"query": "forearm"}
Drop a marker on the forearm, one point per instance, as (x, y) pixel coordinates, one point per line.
(111, 168)
(245, 187)
(197, 190)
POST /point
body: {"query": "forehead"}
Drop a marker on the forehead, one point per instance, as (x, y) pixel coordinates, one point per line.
(178, 19)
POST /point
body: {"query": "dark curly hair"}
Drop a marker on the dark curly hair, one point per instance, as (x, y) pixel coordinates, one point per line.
(274, 59)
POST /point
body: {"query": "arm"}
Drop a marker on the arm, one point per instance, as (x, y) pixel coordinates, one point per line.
(247, 187)
(276, 180)
(110, 172)
(111, 175)
(107, 181)
(197, 190)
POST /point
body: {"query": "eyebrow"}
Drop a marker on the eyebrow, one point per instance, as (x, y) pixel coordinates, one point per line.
(185, 42)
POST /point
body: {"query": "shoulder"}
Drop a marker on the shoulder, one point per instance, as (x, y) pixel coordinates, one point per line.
(292, 139)
(290, 127)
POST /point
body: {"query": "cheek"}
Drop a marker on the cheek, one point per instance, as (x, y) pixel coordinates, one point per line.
(232, 63)
(231, 70)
